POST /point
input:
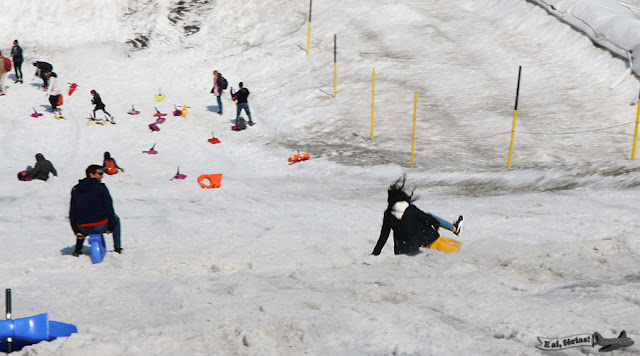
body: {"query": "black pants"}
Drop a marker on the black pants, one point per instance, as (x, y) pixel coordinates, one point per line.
(100, 108)
(17, 65)
(53, 99)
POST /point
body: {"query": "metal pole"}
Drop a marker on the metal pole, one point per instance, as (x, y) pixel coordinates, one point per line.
(373, 98)
(335, 61)
(515, 114)
(413, 136)
(7, 298)
(635, 134)
(309, 32)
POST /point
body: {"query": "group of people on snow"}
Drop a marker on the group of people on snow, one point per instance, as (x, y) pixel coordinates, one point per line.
(241, 97)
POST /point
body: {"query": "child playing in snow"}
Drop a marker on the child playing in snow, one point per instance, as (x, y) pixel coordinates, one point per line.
(99, 105)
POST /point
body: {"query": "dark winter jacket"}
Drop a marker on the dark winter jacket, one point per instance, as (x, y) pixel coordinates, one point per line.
(42, 169)
(412, 228)
(44, 67)
(241, 95)
(16, 52)
(91, 203)
(98, 102)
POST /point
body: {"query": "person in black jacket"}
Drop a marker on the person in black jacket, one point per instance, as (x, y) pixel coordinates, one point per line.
(16, 53)
(242, 97)
(91, 210)
(412, 227)
(41, 170)
(99, 105)
(43, 68)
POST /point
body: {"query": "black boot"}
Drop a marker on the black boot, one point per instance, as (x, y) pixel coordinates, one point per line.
(78, 250)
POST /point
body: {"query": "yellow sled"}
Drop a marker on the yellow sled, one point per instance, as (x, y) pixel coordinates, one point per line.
(446, 245)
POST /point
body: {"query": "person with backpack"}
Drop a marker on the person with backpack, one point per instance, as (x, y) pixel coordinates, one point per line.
(16, 53)
(91, 210)
(412, 227)
(219, 85)
(42, 68)
(109, 164)
(242, 96)
(5, 67)
(53, 91)
(41, 170)
(99, 105)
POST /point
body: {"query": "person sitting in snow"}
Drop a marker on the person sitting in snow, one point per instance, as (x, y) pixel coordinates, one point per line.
(109, 164)
(99, 105)
(40, 171)
(412, 227)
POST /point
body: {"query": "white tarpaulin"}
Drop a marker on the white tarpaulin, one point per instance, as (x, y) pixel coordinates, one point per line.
(611, 24)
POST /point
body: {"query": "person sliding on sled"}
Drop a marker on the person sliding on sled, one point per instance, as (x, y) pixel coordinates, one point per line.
(109, 164)
(99, 105)
(412, 227)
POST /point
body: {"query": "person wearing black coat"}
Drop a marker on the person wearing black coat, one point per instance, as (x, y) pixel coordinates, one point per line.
(91, 209)
(412, 227)
(42, 169)
(43, 68)
(16, 53)
(242, 96)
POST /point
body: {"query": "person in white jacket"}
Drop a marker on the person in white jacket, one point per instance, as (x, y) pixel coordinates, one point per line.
(53, 91)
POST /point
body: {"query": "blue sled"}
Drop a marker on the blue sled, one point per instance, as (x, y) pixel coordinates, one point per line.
(32, 330)
(98, 248)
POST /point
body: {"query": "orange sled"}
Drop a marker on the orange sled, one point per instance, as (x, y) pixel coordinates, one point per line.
(445, 245)
(214, 180)
(299, 157)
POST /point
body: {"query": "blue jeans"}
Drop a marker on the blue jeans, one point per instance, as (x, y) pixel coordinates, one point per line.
(219, 104)
(443, 223)
(244, 106)
(101, 229)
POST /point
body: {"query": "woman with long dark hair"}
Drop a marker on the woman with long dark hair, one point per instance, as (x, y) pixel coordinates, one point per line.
(412, 227)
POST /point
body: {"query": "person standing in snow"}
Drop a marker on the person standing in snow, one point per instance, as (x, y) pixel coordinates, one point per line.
(218, 87)
(242, 96)
(3, 74)
(41, 69)
(53, 91)
(99, 105)
(91, 210)
(41, 170)
(412, 227)
(16, 53)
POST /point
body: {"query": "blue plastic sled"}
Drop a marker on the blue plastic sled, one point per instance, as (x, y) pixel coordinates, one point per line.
(98, 248)
(32, 330)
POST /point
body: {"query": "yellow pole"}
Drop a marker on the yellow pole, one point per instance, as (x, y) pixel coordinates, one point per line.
(373, 98)
(413, 136)
(335, 60)
(309, 38)
(309, 33)
(515, 114)
(635, 134)
(184, 111)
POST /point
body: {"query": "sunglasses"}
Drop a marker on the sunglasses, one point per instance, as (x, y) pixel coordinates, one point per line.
(100, 173)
